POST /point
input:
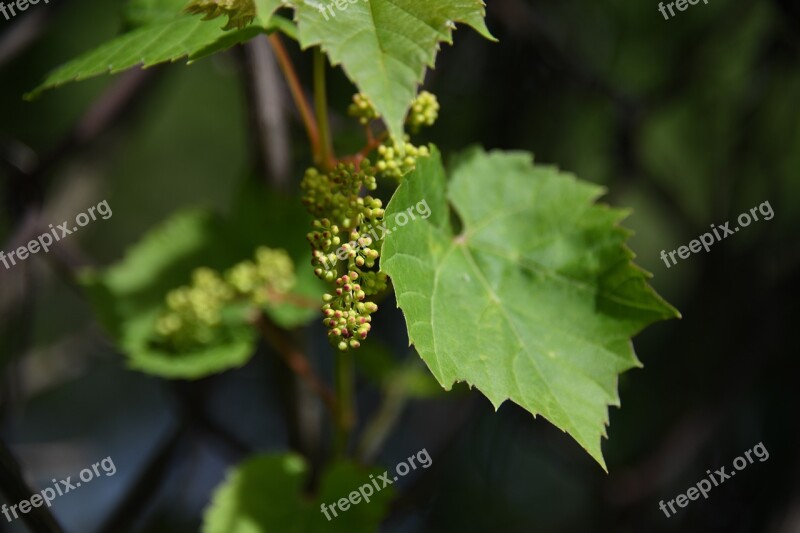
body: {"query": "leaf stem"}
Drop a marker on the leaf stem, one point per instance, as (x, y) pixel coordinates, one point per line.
(372, 143)
(345, 400)
(325, 153)
(285, 63)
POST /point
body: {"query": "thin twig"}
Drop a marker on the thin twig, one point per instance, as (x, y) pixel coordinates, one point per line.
(285, 63)
(295, 359)
(372, 143)
(297, 300)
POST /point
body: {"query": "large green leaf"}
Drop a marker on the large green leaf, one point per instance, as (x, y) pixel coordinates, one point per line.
(533, 300)
(163, 39)
(128, 296)
(263, 495)
(384, 46)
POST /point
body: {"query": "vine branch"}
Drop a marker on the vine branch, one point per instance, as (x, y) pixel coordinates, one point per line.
(289, 73)
(326, 156)
(372, 143)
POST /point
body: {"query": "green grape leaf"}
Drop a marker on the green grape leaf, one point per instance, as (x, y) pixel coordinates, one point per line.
(384, 46)
(264, 495)
(534, 300)
(128, 296)
(166, 39)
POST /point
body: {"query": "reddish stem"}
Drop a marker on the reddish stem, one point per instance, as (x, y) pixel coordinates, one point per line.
(295, 360)
(285, 63)
(372, 143)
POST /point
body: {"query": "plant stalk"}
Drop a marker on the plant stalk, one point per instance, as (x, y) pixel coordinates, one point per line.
(292, 80)
(321, 107)
(345, 400)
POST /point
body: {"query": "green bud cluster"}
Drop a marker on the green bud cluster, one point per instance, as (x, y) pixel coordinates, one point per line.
(325, 242)
(374, 282)
(340, 242)
(331, 244)
(343, 238)
(391, 164)
(362, 109)
(347, 315)
(394, 162)
(192, 317)
(424, 111)
(335, 195)
(193, 314)
(272, 274)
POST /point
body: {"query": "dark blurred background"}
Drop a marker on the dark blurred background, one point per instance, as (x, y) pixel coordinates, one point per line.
(690, 121)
